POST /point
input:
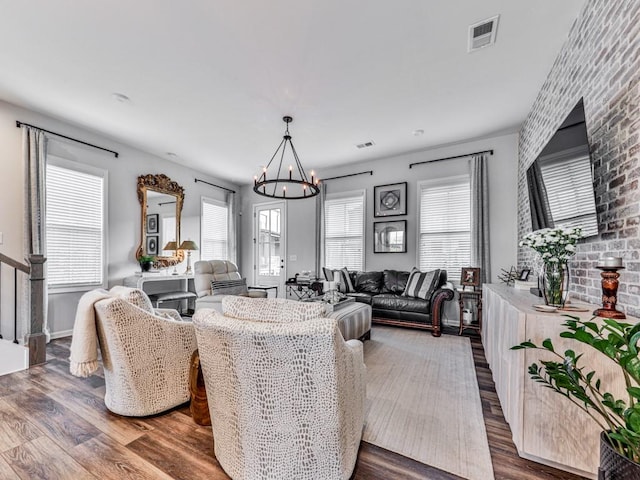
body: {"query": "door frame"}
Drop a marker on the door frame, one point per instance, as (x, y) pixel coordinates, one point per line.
(283, 235)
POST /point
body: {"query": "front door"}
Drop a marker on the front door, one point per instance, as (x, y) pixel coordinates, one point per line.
(270, 245)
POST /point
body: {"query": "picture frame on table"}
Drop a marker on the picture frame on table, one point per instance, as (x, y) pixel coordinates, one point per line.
(470, 277)
(152, 245)
(524, 274)
(152, 223)
(390, 237)
(390, 200)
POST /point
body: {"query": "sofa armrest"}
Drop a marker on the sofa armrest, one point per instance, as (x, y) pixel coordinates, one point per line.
(169, 313)
(438, 298)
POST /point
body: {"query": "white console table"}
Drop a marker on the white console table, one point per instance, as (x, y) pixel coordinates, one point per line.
(546, 426)
(152, 283)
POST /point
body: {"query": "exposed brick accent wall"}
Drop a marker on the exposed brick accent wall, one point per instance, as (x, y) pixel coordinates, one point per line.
(600, 62)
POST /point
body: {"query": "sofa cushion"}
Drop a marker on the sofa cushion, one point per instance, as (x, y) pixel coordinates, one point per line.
(368, 282)
(394, 281)
(421, 284)
(363, 297)
(345, 279)
(390, 301)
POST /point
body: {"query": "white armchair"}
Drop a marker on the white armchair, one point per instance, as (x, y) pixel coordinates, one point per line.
(207, 271)
(145, 353)
(286, 398)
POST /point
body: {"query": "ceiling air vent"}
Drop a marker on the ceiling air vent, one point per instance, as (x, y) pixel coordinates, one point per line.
(483, 34)
(365, 145)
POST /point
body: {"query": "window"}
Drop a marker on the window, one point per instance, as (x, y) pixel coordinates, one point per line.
(344, 231)
(567, 179)
(214, 230)
(445, 225)
(75, 224)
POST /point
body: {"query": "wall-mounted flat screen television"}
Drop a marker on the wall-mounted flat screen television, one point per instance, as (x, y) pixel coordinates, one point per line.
(560, 180)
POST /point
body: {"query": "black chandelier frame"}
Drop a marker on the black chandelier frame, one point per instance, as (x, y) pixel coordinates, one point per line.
(263, 185)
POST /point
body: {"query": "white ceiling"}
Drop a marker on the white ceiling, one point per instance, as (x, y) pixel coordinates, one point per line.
(211, 79)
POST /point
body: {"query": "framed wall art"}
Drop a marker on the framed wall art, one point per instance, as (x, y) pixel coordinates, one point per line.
(390, 237)
(390, 200)
(152, 223)
(470, 277)
(152, 245)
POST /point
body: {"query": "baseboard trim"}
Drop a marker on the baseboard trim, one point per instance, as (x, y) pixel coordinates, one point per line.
(61, 334)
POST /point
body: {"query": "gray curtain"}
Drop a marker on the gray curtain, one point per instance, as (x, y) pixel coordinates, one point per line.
(480, 216)
(320, 229)
(34, 145)
(538, 200)
(233, 228)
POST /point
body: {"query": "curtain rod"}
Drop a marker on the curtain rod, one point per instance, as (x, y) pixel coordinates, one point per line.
(214, 185)
(19, 124)
(490, 152)
(370, 172)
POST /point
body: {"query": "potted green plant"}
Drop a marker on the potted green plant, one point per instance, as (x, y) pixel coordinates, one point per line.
(146, 262)
(619, 418)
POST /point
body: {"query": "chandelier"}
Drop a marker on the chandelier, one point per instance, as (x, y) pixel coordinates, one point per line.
(292, 185)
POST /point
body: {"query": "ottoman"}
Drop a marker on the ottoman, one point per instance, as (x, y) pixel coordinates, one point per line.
(354, 320)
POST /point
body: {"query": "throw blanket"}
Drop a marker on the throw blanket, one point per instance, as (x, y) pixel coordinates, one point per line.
(84, 343)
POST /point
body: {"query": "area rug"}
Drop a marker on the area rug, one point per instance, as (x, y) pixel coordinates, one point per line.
(423, 401)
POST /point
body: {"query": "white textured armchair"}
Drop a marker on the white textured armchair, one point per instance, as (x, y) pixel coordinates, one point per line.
(286, 397)
(207, 271)
(145, 352)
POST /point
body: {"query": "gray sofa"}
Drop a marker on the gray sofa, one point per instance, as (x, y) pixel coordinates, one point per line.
(384, 292)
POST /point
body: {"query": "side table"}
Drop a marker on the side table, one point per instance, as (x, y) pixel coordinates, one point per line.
(476, 297)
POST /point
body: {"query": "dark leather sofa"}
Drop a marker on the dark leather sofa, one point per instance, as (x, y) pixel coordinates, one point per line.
(383, 291)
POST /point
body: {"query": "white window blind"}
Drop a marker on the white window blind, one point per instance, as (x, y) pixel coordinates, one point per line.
(214, 230)
(445, 226)
(75, 227)
(344, 232)
(570, 193)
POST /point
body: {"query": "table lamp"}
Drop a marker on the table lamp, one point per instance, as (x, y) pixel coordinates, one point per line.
(172, 245)
(188, 245)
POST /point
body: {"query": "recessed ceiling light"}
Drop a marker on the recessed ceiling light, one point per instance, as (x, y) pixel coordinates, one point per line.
(418, 132)
(171, 154)
(120, 97)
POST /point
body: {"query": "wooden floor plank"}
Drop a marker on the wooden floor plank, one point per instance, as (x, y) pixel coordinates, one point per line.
(6, 472)
(59, 422)
(43, 459)
(106, 458)
(92, 409)
(14, 428)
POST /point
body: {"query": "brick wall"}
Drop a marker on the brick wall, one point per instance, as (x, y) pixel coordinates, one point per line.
(600, 62)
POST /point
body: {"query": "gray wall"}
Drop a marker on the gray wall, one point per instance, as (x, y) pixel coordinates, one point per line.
(301, 213)
(601, 63)
(123, 206)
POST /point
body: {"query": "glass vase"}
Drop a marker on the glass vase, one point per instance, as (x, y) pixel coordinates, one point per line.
(555, 283)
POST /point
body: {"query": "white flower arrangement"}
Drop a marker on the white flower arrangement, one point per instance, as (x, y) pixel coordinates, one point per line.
(555, 245)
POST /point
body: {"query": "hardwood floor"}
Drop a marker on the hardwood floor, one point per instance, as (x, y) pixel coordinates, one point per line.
(55, 426)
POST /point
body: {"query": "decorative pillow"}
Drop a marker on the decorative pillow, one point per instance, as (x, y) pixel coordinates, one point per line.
(345, 280)
(421, 284)
(229, 287)
(328, 274)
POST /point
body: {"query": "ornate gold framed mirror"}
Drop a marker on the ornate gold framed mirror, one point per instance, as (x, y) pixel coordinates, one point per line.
(161, 202)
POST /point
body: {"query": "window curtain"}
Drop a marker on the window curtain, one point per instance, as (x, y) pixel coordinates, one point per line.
(34, 147)
(538, 200)
(480, 216)
(320, 198)
(232, 226)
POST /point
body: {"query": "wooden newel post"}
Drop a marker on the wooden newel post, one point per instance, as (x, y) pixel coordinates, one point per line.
(36, 338)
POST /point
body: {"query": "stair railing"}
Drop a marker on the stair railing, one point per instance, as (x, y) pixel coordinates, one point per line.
(36, 339)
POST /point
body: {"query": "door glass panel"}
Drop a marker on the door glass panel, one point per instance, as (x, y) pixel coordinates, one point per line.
(269, 252)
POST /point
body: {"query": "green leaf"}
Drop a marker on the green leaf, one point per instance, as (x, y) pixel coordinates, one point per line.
(634, 392)
(548, 345)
